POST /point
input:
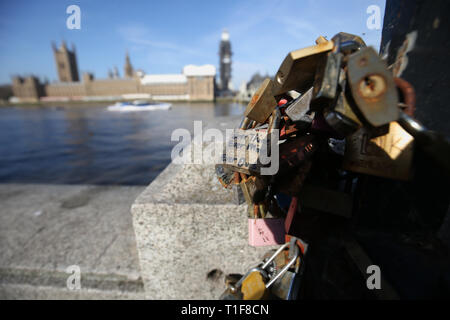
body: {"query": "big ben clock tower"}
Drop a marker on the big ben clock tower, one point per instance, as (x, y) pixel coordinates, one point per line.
(225, 62)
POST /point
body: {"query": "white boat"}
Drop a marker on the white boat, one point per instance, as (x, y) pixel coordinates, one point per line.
(139, 105)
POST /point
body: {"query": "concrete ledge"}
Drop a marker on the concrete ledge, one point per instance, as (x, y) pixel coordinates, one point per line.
(189, 234)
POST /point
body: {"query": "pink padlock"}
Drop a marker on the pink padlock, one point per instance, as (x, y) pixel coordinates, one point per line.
(266, 232)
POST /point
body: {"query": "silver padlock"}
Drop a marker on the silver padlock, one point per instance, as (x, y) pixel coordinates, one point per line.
(299, 109)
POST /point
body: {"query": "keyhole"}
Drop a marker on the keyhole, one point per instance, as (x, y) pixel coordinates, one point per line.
(372, 86)
(369, 83)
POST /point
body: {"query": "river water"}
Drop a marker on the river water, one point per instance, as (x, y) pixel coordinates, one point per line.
(91, 145)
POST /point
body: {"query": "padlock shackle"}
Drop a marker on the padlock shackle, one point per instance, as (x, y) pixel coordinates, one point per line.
(285, 268)
(409, 95)
(264, 266)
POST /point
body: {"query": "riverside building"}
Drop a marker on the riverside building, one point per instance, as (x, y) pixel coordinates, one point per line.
(194, 83)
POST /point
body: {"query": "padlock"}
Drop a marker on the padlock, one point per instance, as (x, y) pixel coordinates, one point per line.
(296, 152)
(249, 186)
(373, 88)
(341, 117)
(244, 184)
(271, 270)
(292, 94)
(286, 287)
(294, 254)
(299, 110)
(262, 103)
(297, 71)
(254, 287)
(388, 156)
(347, 43)
(245, 123)
(265, 231)
(242, 150)
(343, 106)
(270, 277)
(340, 123)
(224, 175)
(238, 195)
(326, 81)
(274, 120)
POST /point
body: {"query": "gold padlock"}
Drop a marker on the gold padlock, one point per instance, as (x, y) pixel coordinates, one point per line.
(388, 156)
(298, 69)
(254, 287)
(262, 103)
(248, 185)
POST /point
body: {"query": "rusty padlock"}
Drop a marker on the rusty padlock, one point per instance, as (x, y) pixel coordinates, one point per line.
(373, 88)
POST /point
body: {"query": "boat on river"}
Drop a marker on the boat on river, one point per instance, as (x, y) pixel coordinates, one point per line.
(139, 105)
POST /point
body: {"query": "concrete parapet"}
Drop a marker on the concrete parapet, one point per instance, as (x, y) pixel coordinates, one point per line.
(189, 234)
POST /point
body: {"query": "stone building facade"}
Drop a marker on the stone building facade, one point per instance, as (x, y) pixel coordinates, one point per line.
(66, 63)
(128, 68)
(27, 88)
(195, 83)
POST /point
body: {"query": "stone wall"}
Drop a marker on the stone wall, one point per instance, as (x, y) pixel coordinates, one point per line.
(65, 89)
(28, 88)
(195, 89)
(189, 232)
(111, 87)
(201, 88)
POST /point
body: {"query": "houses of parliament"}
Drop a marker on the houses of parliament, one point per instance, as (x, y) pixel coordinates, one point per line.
(195, 83)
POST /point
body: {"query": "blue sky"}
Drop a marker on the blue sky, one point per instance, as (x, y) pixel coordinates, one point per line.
(163, 36)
